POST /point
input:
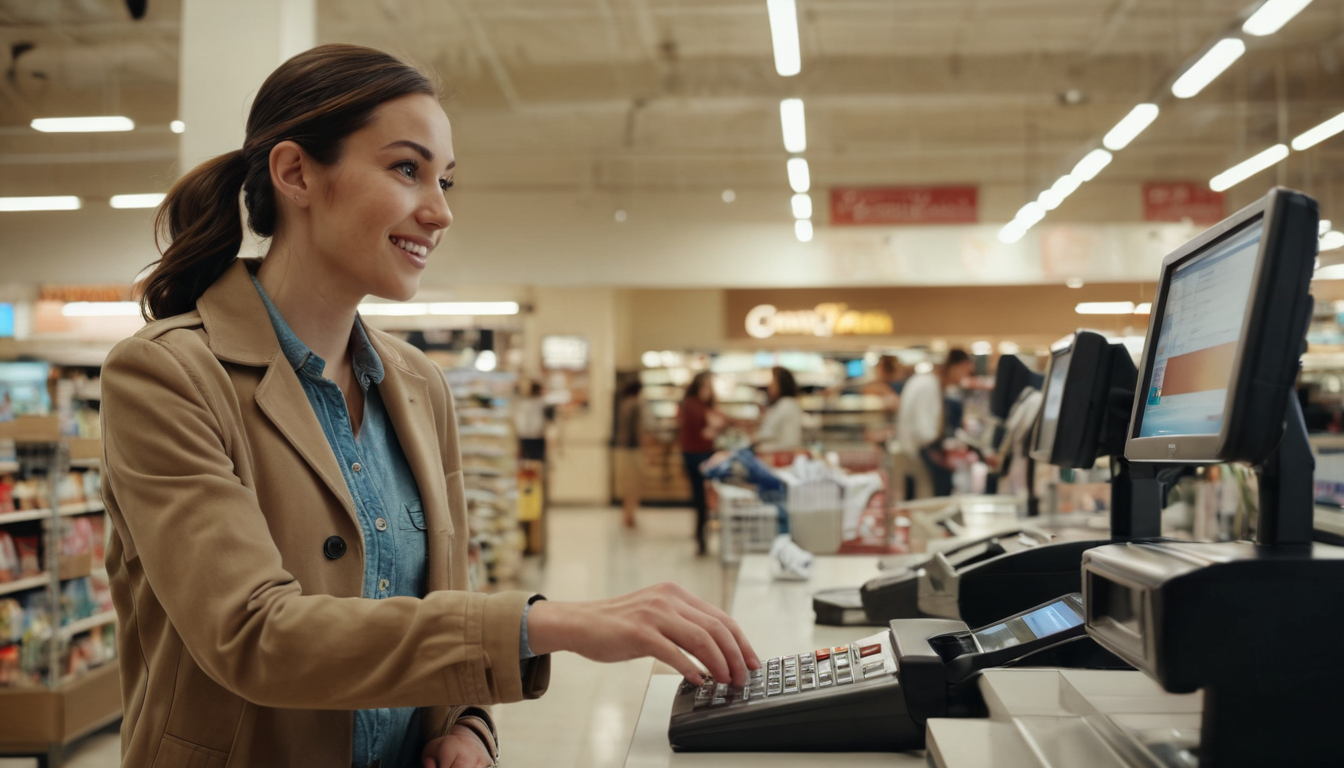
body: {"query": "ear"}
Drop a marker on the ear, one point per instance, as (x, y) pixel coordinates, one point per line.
(289, 166)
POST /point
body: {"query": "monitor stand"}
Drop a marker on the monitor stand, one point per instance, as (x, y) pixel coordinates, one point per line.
(1287, 482)
(1136, 500)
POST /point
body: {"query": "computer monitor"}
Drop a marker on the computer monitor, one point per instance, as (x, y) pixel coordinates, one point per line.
(1225, 337)
(1010, 379)
(1072, 430)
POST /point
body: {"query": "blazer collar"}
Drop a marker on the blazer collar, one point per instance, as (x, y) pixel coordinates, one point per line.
(235, 319)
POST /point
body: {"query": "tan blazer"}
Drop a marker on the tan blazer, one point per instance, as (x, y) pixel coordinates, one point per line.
(241, 641)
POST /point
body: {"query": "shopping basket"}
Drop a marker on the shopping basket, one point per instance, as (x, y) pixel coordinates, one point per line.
(747, 521)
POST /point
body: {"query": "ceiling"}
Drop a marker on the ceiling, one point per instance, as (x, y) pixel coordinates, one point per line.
(682, 94)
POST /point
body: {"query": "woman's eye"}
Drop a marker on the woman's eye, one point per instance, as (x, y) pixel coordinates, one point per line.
(407, 170)
(445, 184)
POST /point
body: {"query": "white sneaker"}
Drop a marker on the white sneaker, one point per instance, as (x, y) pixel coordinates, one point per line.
(788, 561)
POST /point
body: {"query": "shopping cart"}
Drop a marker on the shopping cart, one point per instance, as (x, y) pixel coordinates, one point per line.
(748, 520)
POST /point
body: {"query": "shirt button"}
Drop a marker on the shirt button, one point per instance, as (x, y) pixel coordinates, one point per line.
(383, 585)
(380, 524)
(356, 466)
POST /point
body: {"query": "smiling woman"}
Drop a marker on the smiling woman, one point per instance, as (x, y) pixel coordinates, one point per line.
(289, 557)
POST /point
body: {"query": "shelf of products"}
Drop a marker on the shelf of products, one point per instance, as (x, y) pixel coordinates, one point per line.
(57, 623)
(490, 473)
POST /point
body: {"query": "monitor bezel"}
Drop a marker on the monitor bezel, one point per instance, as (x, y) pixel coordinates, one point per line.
(1081, 408)
(1236, 438)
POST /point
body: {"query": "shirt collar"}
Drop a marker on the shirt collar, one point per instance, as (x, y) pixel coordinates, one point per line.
(364, 358)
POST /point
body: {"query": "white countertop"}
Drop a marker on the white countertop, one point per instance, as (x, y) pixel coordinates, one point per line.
(778, 620)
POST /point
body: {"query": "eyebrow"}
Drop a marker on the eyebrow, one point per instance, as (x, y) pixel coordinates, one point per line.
(421, 149)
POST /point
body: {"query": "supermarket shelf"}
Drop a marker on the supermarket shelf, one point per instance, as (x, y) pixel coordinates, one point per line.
(28, 514)
(83, 508)
(32, 582)
(34, 719)
(84, 625)
(8, 467)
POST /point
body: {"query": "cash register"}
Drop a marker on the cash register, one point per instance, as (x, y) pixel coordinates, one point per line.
(1248, 626)
(1089, 388)
(874, 694)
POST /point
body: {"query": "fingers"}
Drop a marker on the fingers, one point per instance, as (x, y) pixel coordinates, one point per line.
(667, 652)
(704, 606)
(723, 639)
(699, 642)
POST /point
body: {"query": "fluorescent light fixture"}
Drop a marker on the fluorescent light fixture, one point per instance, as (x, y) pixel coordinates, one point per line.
(1248, 168)
(1049, 199)
(1210, 65)
(486, 361)
(1074, 282)
(1332, 240)
(137, 201)
(799, 176)
(56, 203)
(1332, 272)
(802, 206)
(101, 309)
(1031, 213)
(1066, 185)
(1105, 308)
(728, 196)
(1009, 348)
(802, 229)
(1146, 308)
(448, 308)
(784, 33)
(1012, 232)
(83, 124)
(1131, 126)
(1320, 133)
(177, 126)
(1270, 17)
(981, 348)
(1091, 164)
(795, 125)
(1323, 227)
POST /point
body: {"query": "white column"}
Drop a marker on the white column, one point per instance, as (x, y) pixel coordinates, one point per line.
(228, 50)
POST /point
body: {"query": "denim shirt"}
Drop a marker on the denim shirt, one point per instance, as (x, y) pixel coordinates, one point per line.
(388, 504)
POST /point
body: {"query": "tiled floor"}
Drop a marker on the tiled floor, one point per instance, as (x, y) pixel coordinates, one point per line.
(589, 714)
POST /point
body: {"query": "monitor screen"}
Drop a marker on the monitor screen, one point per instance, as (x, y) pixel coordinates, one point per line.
(1197, 338)
(1042, 622)
(1054, 399)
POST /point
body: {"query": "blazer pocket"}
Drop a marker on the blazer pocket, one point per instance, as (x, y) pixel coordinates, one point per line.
(177, 753)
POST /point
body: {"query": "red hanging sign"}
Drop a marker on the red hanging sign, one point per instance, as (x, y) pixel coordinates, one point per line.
(1180, 200)
(905, 205)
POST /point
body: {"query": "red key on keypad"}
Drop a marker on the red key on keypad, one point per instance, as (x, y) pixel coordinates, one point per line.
(823, 654)
(869, 650)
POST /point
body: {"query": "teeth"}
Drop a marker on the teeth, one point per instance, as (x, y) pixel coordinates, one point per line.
(410, 247)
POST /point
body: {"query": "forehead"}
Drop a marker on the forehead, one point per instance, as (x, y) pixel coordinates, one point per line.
(417, 118)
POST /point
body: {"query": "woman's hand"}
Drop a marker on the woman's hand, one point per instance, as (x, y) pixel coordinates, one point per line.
(461, 748)
(657, 621)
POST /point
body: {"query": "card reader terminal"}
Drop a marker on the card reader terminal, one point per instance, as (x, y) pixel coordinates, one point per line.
(874, 694)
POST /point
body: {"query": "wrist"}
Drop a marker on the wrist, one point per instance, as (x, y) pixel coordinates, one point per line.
(545, 629)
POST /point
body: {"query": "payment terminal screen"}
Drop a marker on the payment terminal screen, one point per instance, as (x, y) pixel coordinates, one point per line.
(1197, 339)
(1042, 622)
(1054, 398)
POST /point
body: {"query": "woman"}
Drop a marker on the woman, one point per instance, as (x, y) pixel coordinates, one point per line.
(698, 423)
(782, 426)
(289, 555)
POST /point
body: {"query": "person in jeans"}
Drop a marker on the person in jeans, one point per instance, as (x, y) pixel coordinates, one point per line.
(288, 558)
(698, 424)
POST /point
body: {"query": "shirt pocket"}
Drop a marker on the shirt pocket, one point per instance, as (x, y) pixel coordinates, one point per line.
(412, 516)
(412, 557)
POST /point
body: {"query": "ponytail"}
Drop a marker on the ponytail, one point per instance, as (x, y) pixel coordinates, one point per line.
(204, 227)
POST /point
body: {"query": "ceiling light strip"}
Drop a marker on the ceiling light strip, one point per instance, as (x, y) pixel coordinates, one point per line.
(1248, 168)
(1130, 127)
(794, 122)
(1270, 17)
(1320, 133)
(784, 34)
(102, 124)
(1212, 64)
(54, 203)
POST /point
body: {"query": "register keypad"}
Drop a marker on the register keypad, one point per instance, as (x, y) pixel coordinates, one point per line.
(789, 675)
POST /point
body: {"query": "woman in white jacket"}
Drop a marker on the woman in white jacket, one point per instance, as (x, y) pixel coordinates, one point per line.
(782, 426)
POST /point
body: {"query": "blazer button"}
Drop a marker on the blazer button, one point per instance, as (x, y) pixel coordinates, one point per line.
(334, 547)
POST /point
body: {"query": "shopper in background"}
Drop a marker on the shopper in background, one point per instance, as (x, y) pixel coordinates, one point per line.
(529, 421)
(931, 410)
(782, 426)
(632, 421)
(289, 555)
(698, 424)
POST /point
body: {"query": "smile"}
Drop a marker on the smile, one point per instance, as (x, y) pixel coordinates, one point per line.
(409, 247)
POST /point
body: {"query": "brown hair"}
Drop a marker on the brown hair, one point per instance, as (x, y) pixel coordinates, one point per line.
(693, 391)
(315, 99)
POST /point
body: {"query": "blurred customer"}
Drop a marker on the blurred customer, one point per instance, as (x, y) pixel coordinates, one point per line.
(632, 422)
(782, 427)
(931, 410)
(698, 423)
(529, 420)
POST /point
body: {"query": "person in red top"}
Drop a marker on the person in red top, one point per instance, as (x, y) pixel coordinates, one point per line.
(698, 423)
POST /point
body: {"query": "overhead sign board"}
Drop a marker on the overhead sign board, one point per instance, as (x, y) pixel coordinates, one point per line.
(904, 205)
(1181, 200)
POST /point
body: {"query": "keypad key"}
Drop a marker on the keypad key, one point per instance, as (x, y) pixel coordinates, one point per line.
(720, 690)
(870, 650)
(823, 654)
(809, 683)
(717, 702)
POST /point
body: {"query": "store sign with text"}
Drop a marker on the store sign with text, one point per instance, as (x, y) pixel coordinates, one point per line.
(823, 321)
(892, 206)
(1181, 200)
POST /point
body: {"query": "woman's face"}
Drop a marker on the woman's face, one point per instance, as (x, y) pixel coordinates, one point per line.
(706, 392)
(379, 212)
(772, 389)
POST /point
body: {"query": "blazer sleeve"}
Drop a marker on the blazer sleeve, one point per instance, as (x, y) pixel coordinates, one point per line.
(198, 536)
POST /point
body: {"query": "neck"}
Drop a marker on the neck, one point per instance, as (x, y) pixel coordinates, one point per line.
(316, 307)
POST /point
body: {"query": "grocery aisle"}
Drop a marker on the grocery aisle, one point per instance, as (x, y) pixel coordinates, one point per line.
(589, 714)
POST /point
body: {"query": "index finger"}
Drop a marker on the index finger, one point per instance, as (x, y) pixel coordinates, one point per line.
(748, 653)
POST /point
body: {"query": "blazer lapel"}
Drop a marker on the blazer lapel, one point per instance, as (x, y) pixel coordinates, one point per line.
(406, 397)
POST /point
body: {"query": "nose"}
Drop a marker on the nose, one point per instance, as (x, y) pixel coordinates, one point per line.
(434, 213)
